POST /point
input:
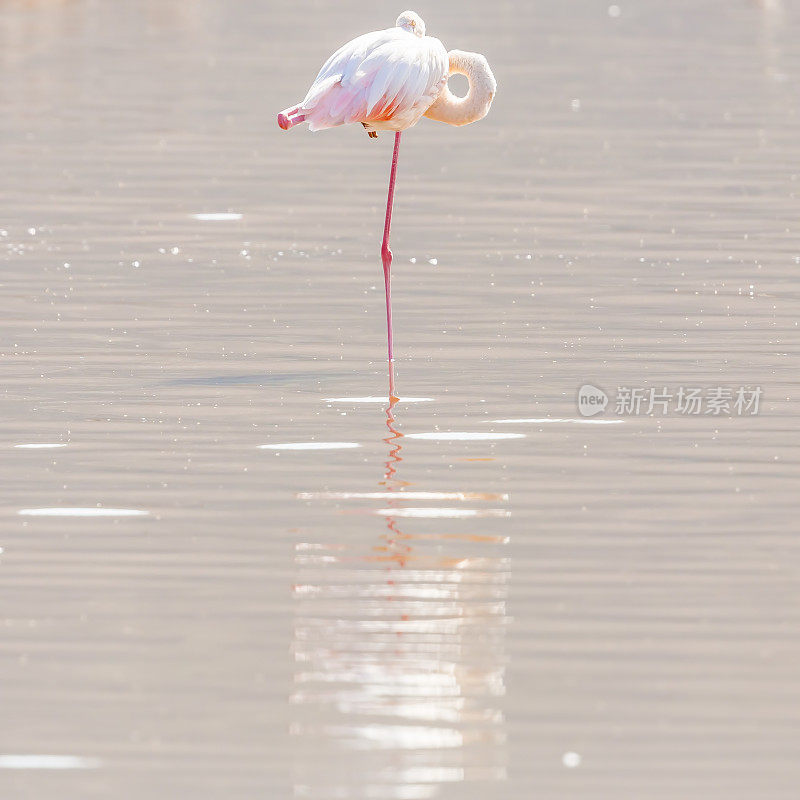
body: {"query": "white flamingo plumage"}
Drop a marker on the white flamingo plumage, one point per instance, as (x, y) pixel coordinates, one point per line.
(389, 80)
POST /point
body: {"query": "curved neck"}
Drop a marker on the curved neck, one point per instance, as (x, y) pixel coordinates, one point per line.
(456, 110)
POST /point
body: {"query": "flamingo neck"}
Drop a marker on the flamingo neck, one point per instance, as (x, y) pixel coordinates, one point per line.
(455, 110)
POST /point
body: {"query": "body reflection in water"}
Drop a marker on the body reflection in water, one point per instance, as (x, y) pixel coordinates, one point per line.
(399, 657)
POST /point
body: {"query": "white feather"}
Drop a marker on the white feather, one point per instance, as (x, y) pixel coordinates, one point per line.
(387, 73)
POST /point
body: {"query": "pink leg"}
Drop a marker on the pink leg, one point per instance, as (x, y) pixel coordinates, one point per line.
(386, 253)
(393, 398)
(289, 117)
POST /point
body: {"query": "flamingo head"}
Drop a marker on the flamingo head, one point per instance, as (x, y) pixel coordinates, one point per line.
(411, 22)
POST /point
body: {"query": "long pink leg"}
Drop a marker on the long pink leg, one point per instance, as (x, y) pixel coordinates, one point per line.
(386, 253)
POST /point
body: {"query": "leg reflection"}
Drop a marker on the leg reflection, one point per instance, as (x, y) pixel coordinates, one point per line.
(399, 652)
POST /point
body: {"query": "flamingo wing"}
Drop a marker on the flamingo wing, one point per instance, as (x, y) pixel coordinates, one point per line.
(384, 76)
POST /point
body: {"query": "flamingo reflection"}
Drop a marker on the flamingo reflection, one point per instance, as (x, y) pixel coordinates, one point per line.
(399, 653)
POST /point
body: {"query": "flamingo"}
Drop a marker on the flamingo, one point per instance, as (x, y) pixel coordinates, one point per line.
(388, 80)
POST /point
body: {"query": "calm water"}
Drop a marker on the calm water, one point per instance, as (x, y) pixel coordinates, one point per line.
(548, 609)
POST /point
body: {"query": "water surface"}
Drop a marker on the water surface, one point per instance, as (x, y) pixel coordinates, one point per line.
(479, 595)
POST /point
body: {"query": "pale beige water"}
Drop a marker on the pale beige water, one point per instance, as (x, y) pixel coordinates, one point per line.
(627, 593)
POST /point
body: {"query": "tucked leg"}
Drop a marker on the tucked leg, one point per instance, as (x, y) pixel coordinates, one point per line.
(289, 117)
